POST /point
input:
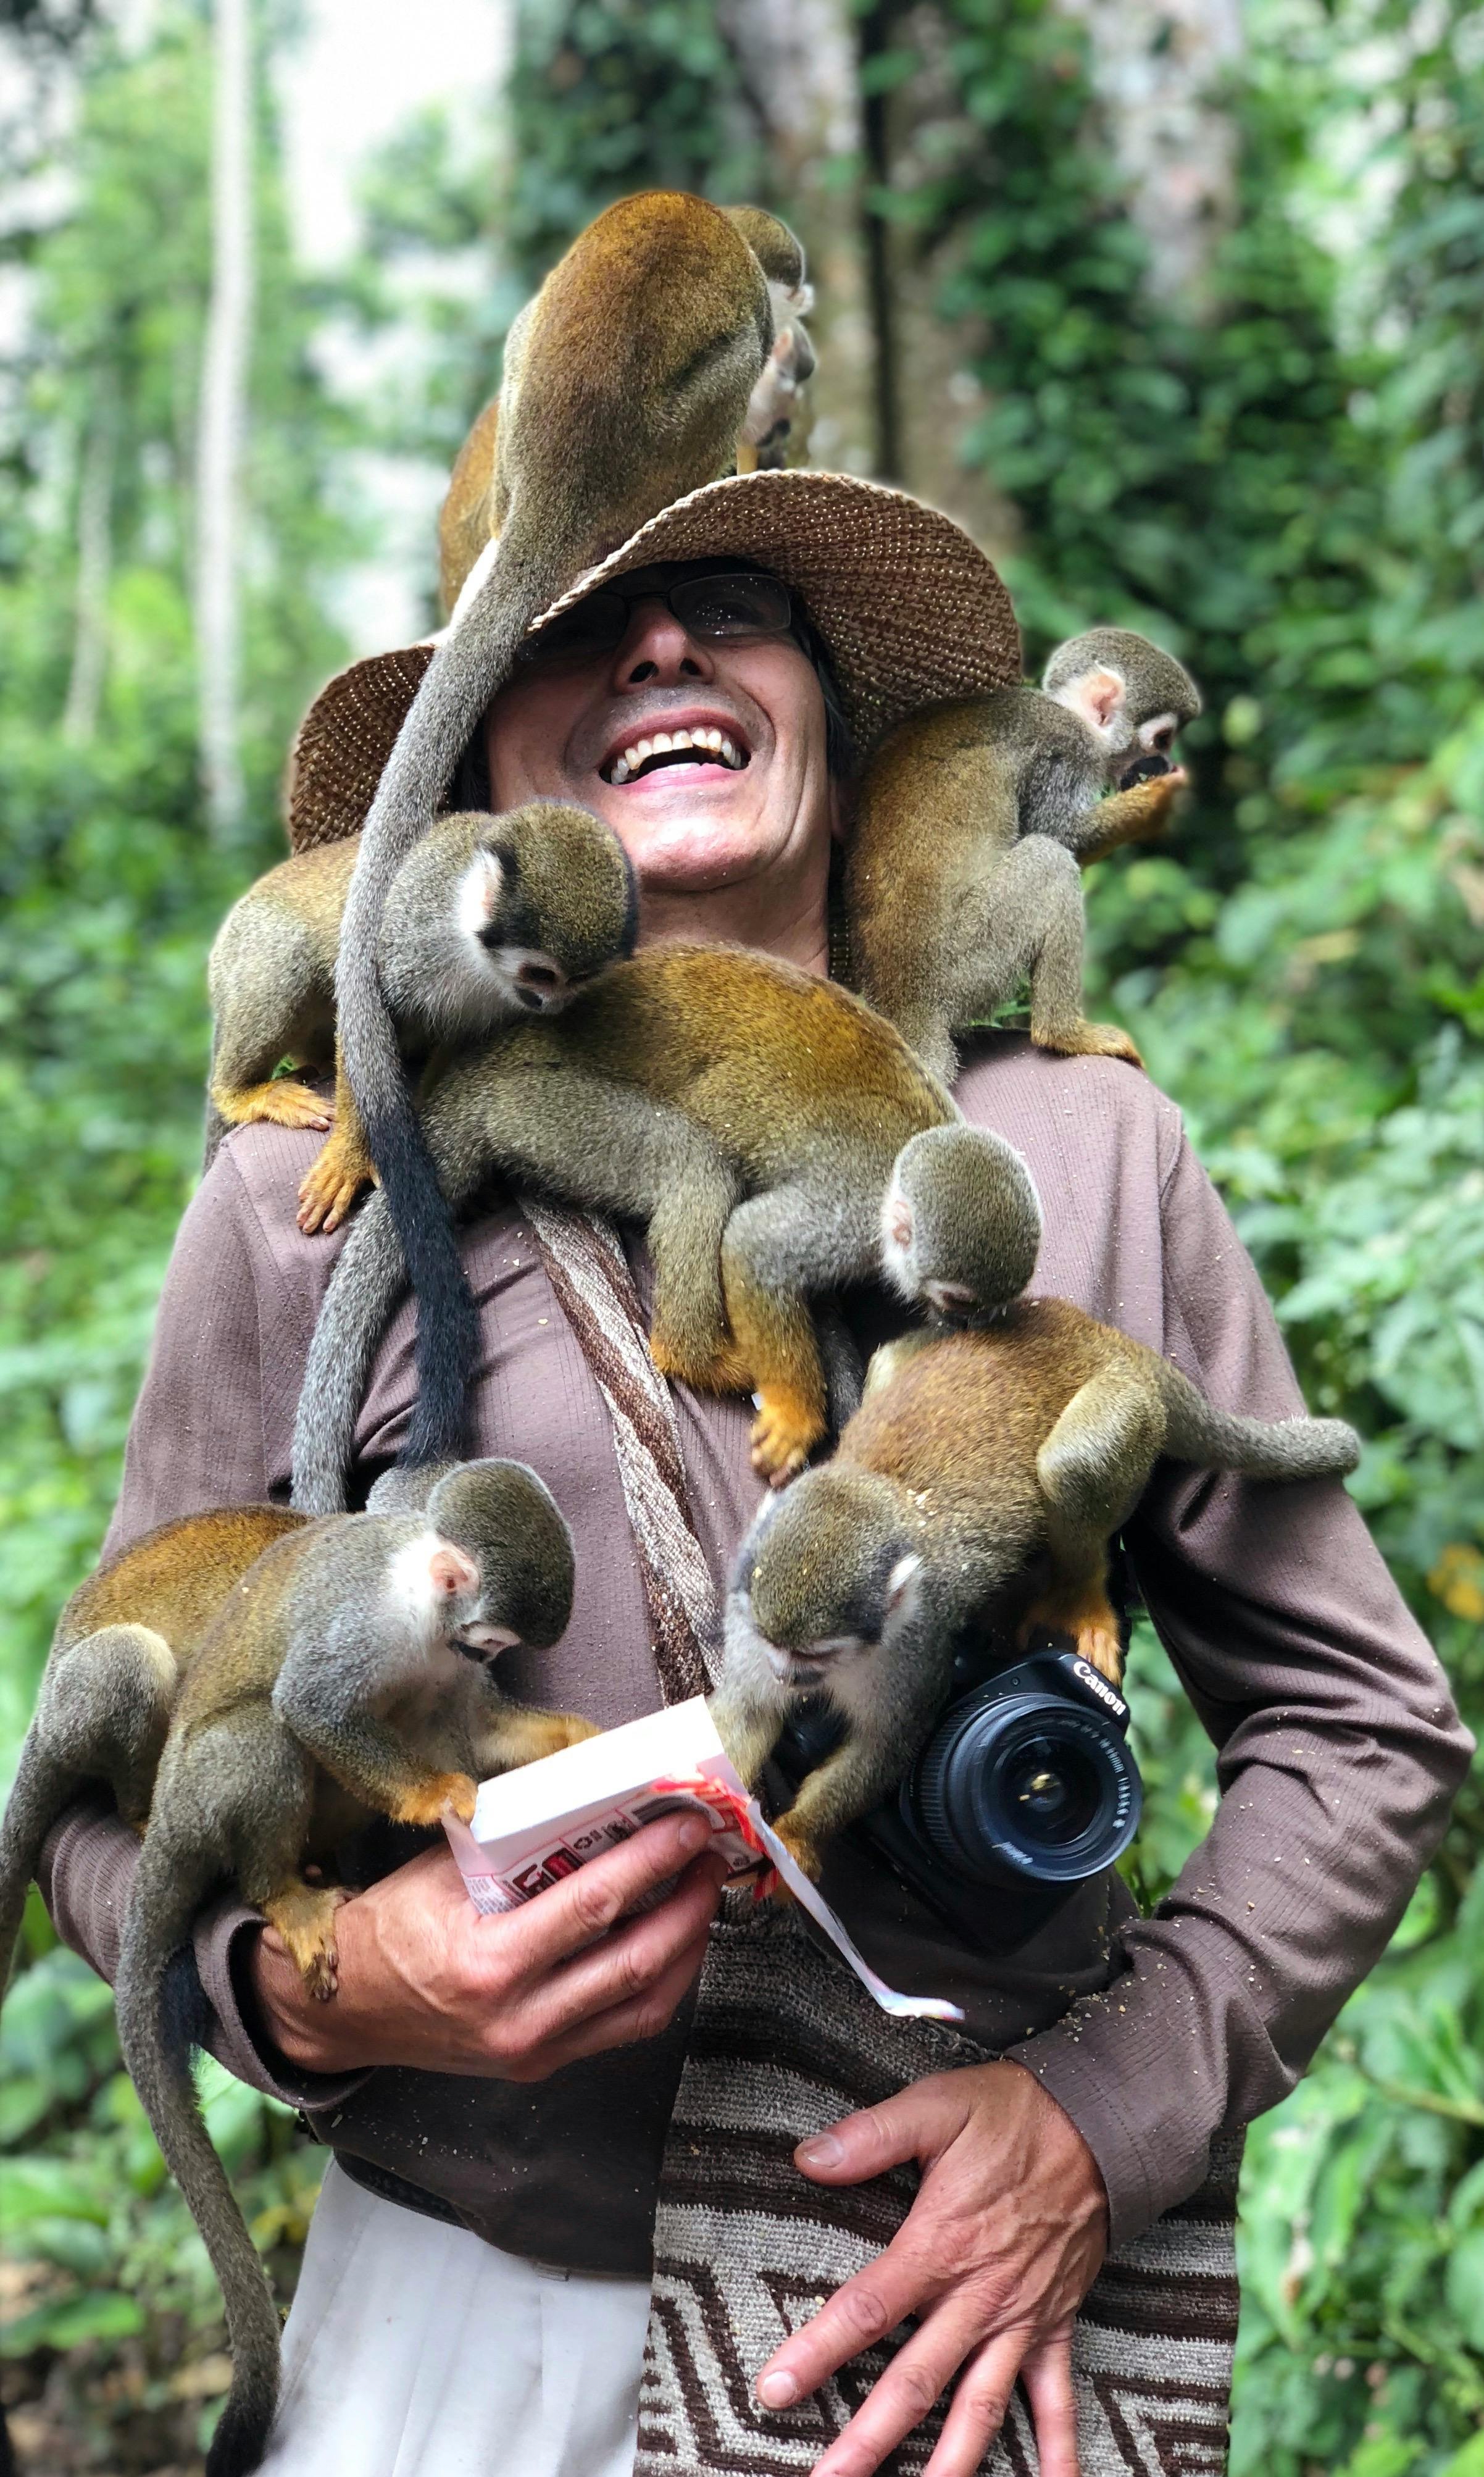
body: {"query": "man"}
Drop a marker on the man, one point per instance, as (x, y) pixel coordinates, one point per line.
(514, 2076)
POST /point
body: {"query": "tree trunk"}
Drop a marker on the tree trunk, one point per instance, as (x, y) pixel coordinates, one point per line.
(94, 565)
(223, 420)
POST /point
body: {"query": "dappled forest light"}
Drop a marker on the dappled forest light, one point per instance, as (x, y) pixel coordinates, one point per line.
(1182, 316)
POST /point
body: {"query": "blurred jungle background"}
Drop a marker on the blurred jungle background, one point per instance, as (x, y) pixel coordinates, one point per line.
(1177, 305)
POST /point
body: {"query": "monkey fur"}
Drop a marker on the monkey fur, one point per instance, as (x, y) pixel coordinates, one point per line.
(749, 1113)
(486, 918)
(984, 1474)
(121, 1645)
(469, 517)
(344, 1679)
(626, 384)
(973, 823)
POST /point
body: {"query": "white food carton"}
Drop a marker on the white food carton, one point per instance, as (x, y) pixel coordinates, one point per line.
(533, 1826)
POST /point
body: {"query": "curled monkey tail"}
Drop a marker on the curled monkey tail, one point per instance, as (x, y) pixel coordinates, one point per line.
(364, 1290)
(1263, 1448)
(475, 658)
(171, 1883)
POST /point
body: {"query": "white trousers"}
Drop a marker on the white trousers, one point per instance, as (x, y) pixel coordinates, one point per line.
(417, 2350)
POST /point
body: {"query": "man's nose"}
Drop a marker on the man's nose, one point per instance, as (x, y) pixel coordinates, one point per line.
(657, 652)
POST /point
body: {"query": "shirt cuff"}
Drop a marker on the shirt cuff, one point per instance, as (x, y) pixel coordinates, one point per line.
(1149, 2158)
(224, 1935)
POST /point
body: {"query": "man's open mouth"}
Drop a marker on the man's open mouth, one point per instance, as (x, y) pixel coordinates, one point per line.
(706, 745)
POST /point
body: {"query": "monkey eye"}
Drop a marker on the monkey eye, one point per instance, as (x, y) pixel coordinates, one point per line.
(1164, 737)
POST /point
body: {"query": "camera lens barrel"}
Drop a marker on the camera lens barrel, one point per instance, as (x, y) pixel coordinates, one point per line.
(1030, 1785)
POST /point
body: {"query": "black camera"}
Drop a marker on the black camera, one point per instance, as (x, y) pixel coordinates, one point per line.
(1027, 1781)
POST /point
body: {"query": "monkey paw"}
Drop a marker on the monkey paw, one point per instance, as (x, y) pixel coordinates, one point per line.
(1102, 1651)
(330, 1186)
(803, 1851)
(425, 1804)
(785, 1433)
(1089, 1041)
(719, 1369)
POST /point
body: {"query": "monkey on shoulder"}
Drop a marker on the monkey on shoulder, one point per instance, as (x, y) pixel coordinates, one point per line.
(973, 823)
(487, 918)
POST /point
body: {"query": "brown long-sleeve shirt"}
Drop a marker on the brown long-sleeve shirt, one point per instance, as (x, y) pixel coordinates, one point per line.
(1339, 1745)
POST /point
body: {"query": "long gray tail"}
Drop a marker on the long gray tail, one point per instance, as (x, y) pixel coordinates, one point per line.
(170, 1885)
(42, 1788)
(364, 1290)
(1263, 1448)
(474, 659)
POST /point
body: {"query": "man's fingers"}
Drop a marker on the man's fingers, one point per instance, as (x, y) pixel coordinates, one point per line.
(915, 2380)
(1047, 2375)
(622, 1969)
(623, 2025)
(917, 2123)
(863, 2311)
(569, 1916)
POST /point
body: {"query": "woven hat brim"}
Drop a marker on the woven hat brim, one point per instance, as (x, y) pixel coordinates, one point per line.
(911, 610)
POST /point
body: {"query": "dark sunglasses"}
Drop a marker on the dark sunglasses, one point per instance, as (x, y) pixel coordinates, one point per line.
(736, 608)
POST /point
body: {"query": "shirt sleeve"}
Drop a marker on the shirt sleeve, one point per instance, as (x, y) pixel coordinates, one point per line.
(196, 1441)
(1339, 1753)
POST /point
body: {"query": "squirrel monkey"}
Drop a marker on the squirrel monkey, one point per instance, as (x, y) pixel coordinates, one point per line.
(469, 517)
(972, 825)
(984, 1472)
(626, 384)
(749, 1113)
(345, 1677)
(121, 1645)
(486, 918)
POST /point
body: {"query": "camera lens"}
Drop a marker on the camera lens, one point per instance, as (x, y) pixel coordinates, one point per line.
(1026, 1785)
(1056, 1789)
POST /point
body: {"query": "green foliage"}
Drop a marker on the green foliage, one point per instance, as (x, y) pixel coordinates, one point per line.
(109, 894)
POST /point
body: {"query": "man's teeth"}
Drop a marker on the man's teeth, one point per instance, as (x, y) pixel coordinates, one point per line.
(665, 743)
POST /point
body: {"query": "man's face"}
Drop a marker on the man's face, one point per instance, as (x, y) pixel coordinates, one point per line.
(700, 821)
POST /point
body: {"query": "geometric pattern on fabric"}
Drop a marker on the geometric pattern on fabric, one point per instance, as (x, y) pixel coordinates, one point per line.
(785, 2041)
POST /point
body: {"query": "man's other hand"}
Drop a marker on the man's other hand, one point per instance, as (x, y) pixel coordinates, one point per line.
(425, 1980)
(995, 2254)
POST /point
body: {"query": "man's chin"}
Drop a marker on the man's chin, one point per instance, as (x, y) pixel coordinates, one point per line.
(696, 848)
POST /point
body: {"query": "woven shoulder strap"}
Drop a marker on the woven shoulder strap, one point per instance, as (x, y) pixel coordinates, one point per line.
(594, 1289)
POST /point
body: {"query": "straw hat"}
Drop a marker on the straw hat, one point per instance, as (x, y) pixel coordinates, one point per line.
(911, 610)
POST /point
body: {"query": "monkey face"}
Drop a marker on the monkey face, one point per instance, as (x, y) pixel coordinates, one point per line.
(826, 1577)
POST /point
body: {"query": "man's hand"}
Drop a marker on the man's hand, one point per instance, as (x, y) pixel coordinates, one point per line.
(425, 1980)
(995, 2254)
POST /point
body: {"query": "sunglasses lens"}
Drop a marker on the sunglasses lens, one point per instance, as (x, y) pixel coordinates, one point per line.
(591, 627)
(731, 606)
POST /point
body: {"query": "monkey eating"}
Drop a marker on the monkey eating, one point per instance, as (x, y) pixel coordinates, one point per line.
(984, 1474)
(627, 383)
(747, 1112)
(488, 917)
(973, 823)
(344, 1678)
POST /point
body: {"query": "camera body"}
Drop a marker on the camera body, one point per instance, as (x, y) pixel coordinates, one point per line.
(1026, 1788)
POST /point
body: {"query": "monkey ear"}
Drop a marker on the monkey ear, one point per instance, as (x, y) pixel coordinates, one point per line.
(1097, 695)
(901, 1588)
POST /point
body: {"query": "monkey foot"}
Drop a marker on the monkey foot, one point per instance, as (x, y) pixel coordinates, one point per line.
(719, 1369)
(1089, 1041)
(785, 1433)
(303, 1915)
(425, 1804)
(803, 1850)
(282, 1102)
(330, 1186)
(1092, 1625)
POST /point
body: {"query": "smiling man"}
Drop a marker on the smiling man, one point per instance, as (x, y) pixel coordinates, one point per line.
(499, 2092)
